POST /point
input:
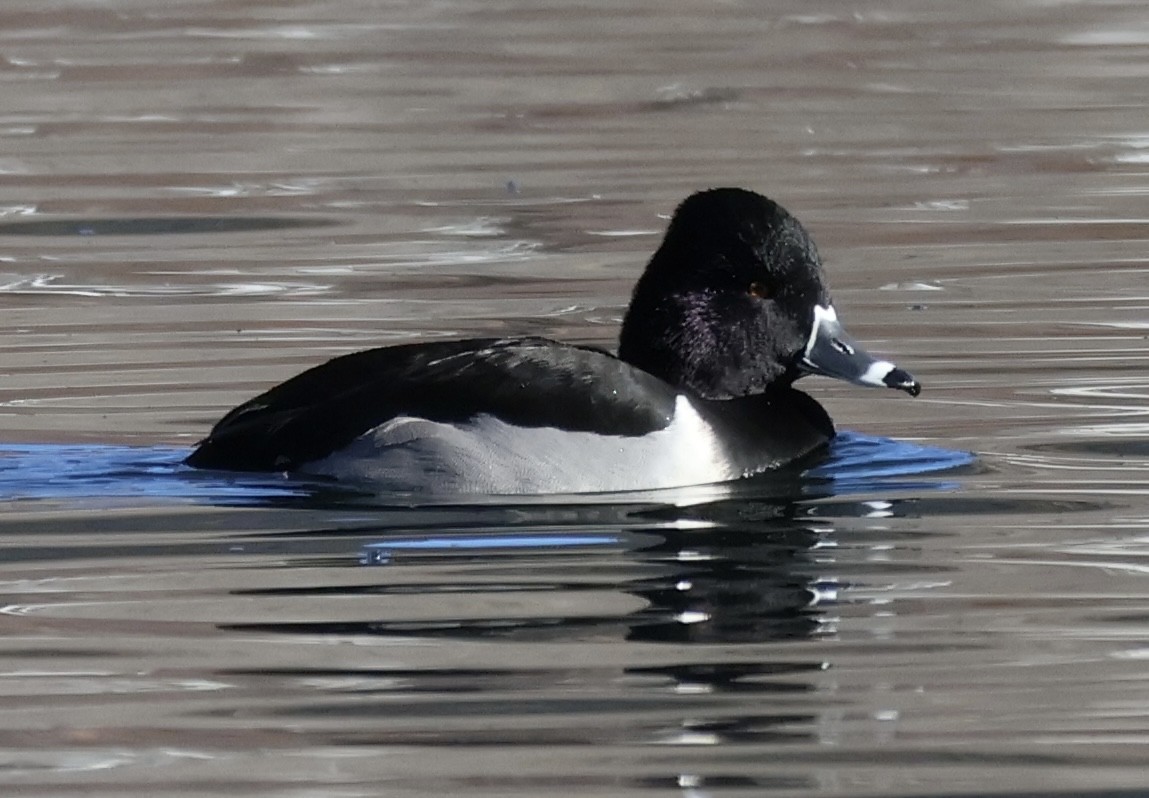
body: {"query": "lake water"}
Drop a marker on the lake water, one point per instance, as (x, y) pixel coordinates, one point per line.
(201, 199)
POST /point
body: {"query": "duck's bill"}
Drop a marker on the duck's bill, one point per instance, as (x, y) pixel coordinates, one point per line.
(833, 353)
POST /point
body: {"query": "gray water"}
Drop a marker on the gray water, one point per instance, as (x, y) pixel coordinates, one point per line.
(201, 199)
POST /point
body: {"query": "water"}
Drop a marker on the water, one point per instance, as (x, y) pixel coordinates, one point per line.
(203, 199)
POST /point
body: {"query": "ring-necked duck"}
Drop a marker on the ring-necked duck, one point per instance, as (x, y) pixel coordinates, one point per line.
(731, 310)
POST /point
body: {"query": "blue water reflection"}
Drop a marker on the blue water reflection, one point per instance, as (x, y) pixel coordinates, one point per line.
(858, 462)
(383, 552)
(98, 471)
(78, 472)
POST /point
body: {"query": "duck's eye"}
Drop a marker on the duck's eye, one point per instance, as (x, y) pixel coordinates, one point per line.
(759, 290)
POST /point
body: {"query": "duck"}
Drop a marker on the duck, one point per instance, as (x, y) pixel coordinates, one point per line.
(732, 309)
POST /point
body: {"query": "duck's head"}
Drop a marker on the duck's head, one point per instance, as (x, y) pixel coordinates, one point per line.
(734, 301)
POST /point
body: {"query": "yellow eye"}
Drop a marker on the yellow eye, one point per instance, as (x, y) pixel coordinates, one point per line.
(759, 290)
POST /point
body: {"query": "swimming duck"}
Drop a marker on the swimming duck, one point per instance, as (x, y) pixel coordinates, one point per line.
(731, 310)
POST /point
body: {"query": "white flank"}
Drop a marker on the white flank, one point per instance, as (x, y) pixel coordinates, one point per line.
(489, 456)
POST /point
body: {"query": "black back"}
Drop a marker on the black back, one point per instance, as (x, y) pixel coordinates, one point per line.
(531, 382)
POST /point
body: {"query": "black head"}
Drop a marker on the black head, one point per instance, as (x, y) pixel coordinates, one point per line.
(726, 305)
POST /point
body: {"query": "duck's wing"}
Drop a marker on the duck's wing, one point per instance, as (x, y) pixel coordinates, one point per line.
(531, 382)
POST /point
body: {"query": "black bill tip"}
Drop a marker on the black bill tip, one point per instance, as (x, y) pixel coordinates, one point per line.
(903, 381)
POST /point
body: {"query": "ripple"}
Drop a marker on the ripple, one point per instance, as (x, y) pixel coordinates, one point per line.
(1133, 389)
(1107, 447)
(158, 225)
(76, 472)
(52, 284)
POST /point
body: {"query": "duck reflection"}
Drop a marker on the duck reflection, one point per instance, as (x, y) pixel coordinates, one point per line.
(725, 572)
(732, 584)
(611, 625)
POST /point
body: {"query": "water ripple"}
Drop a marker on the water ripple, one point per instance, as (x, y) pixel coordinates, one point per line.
(77, 472)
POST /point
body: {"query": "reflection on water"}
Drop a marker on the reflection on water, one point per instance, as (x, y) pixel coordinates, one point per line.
(60, 472)
(151, 226)
(397, 643)
(203, 199)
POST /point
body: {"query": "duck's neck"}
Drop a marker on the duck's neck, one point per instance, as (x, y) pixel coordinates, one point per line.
(763, 431)
(687, 341)
(643, 343)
